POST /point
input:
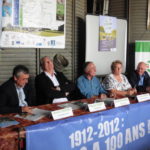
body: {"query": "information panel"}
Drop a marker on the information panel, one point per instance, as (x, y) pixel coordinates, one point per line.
(33, 23)
(107, 31)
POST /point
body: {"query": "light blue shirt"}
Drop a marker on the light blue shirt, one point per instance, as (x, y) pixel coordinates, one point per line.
(141, 81)
(90, 88)
(21, 97)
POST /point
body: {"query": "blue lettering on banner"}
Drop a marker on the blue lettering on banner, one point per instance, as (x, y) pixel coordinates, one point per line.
(124, 128)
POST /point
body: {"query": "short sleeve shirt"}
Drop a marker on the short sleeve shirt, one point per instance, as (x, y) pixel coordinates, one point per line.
(110, 83)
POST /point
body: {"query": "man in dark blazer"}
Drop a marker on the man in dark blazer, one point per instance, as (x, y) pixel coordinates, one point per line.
(51, 86)
(16, 94)
(140, 79)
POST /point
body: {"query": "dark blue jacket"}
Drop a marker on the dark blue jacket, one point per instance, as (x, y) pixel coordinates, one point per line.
(134, 80)
(9, 101)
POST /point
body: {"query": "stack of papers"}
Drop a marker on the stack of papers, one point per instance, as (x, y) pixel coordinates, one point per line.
(107, 101)
(74, 105)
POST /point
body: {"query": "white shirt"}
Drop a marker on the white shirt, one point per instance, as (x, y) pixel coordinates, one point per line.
(110, 83)
(53, 79)
(56, 83)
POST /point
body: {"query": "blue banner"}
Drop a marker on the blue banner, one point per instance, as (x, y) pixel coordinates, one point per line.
(124, 128)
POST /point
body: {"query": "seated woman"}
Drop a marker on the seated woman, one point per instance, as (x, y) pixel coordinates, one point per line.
(117, 83)
(89, 85)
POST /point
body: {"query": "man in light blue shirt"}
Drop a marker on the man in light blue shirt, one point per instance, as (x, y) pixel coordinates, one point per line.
(88, 84)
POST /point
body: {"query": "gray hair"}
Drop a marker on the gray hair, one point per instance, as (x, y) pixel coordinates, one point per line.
(20, 69)
(85, 66)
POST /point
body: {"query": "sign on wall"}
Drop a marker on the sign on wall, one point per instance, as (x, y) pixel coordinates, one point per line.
(107, 33)
(33, 24)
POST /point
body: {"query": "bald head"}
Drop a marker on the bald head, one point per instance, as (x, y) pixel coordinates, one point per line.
(141, 68)
(47, 64)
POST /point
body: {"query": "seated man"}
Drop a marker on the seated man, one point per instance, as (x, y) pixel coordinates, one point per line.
(88, 84)
(140, 79)
(15, 94)
(51, 86)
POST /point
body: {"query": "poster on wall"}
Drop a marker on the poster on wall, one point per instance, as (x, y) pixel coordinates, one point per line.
(107, 33)
(33, 24)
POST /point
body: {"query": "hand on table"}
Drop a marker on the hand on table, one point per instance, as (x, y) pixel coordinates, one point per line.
(112, 93)
(148, 89)
(67, 93)
(102, 96)
(131, 92)
(27, 109)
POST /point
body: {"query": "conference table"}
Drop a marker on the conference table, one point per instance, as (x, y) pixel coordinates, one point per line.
(13, 137)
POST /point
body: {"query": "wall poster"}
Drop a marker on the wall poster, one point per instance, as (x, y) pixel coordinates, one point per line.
(33, 24)
(107, 33)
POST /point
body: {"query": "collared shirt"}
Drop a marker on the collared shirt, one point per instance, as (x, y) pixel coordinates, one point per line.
(56, 84)
(53, 79)
(21, 96)
(90, 88)
(141, 81)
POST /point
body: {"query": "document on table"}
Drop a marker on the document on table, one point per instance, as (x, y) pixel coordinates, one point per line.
(74, 105)
(36, 114)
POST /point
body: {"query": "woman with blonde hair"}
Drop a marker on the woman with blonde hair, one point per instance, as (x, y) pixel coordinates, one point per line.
(117, 83)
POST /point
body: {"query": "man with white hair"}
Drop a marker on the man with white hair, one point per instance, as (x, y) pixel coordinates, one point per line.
(51, 86)
(88, 84)
(140, 79)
